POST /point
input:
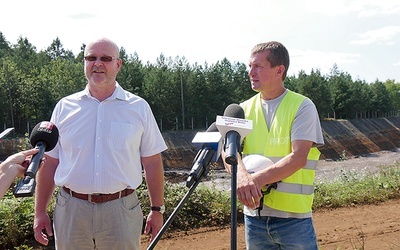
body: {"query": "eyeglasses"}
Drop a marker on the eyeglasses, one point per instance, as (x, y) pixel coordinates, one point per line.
(102, 58)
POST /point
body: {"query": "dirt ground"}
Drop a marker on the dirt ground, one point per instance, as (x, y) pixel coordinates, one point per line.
(362, 227)
(359, 227)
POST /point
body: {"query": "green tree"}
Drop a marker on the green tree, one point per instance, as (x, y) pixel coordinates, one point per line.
(361, 99)
(241, 82)
(56, 50)
(131, 76)
(315, 87)
(32, 82)
(80, 57)
(198, 105)
(340, 83)
(7, 91)
(394, 94)
(161, 91)
(60, 78)
(5, 48)
(218, 79)
(380, 99)
(291, 81)
(25, 56)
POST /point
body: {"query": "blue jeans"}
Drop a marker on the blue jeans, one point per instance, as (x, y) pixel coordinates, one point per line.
(279, 233)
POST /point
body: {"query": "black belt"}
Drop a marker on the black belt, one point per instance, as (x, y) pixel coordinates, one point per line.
(99, 198)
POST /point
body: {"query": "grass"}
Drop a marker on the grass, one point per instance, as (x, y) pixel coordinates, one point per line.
(209, 207)
(358, 188)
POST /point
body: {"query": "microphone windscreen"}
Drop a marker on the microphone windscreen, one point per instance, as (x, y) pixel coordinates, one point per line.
(212, 128)
(234, 110)
(46, 132)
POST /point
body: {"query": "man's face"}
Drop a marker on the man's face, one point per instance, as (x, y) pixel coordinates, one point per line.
(260, 71)
(101, 63)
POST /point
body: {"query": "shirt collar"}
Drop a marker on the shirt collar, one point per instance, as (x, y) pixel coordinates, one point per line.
(119, 93)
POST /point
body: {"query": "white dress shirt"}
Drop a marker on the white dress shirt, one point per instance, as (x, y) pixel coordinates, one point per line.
(101, 143)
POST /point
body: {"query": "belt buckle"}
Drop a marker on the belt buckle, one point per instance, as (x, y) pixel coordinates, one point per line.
(90, 197)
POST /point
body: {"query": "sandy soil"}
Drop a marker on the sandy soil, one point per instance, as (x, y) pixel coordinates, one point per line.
(362, 227)
(359, 227)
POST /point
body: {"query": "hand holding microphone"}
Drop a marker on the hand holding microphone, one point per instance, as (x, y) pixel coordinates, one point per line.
(22, 160)
(15, 165)
(44, 137)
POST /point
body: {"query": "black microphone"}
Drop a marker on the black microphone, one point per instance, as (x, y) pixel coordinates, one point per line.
(233, 127)
(210, 143)
(44, 136)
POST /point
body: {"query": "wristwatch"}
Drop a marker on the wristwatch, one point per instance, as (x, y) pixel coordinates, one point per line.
(160, 209)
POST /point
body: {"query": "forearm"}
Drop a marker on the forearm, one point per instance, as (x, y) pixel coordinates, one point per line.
(8, 172)
(287, 166)
(154, 175)
(44, 186)
(155, 185)
(280, 170)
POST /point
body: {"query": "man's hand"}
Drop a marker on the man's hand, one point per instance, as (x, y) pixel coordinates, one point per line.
(248, 191)
(154, 224)
(42, 228)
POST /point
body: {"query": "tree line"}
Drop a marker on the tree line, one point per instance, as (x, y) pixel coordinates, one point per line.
(181, 95)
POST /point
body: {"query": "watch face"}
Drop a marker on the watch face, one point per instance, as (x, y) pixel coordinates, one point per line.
(160, 209)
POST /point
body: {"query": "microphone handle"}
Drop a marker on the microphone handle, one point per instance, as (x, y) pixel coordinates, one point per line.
(202, 160)
(232, 145)
(36, 159)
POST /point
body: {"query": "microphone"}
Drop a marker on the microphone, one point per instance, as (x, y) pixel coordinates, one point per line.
(44, 136)
(233, 127)
(210, 144)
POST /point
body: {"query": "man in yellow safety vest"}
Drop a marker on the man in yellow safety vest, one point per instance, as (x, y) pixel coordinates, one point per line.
(287, 130)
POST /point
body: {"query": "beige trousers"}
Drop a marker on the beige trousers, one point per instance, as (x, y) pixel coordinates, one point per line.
(79, 224)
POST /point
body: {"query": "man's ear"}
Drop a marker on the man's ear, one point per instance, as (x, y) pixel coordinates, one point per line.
(281, 69)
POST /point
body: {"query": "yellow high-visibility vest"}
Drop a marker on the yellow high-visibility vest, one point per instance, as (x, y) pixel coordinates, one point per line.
(295, 193)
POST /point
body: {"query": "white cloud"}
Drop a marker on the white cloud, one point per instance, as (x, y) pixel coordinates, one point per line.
(312, 59)
(384, 35)
(81, 16)
(364, 8)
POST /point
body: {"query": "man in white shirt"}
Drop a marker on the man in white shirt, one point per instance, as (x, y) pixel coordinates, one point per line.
(106, 136)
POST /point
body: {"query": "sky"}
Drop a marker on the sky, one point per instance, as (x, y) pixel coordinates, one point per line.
(362, 37)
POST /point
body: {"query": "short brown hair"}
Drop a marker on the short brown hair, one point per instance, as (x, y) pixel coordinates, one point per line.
(278, 54)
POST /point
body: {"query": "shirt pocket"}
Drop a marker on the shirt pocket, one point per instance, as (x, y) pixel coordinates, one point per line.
(125, 136)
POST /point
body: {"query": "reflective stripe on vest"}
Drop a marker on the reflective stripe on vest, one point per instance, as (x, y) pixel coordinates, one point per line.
(295, 188)
(295, 193)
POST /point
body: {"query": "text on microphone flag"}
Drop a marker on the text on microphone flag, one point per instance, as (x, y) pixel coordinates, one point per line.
(45, 126)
